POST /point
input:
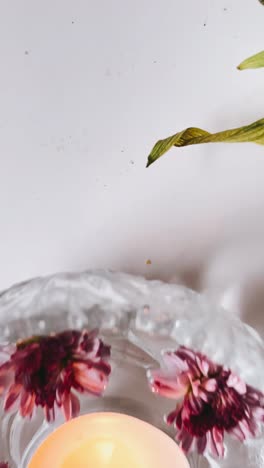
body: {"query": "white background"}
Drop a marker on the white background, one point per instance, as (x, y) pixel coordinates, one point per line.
(86, 88)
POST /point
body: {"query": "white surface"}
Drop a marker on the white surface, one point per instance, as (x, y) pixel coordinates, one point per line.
(86, 88)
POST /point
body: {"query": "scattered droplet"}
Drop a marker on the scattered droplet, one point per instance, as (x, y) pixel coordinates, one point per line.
(26, 52)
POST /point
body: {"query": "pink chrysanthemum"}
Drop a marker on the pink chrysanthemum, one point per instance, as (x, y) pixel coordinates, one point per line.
(213, 400)
(43, 371)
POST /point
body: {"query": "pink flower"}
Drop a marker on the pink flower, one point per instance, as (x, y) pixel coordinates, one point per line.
(213, 400)
(43, 371)
(3, 465)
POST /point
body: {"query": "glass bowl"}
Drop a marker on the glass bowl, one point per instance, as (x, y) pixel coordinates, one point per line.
(139, 319)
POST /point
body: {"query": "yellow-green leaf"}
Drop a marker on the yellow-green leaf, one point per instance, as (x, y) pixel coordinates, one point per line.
(255, 61)
(253, 133)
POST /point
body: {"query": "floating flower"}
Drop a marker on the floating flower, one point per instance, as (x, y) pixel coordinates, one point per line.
(47, 371)
(213, 400)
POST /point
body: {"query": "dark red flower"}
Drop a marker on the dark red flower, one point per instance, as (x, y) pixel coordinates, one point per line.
(213, 400)
(43, 371)
(3, 465)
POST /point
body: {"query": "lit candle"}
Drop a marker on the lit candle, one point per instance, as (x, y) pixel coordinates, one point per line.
(108, 440)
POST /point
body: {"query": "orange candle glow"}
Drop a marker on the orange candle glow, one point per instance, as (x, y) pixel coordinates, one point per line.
(108, 440)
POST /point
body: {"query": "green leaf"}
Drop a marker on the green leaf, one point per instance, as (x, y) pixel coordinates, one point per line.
(253, 133)
(255, 61)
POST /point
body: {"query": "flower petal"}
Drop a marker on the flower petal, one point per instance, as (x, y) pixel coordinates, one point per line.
(171, 417)
(195, 404)
(168, 385)
(89, 343)
(103, 351)
(27, 403)
(49, 413)
(66, 406)
(200, 393)
(75, 405)
(210, 385)
(12, 396)
(203, 365)
(70, 406)
(174, 363)
(186, 441)
(235, 382)
(258, 414)
(201, 444)
(238, 433)
(90, 379)
(186, 354)
(216, 442)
